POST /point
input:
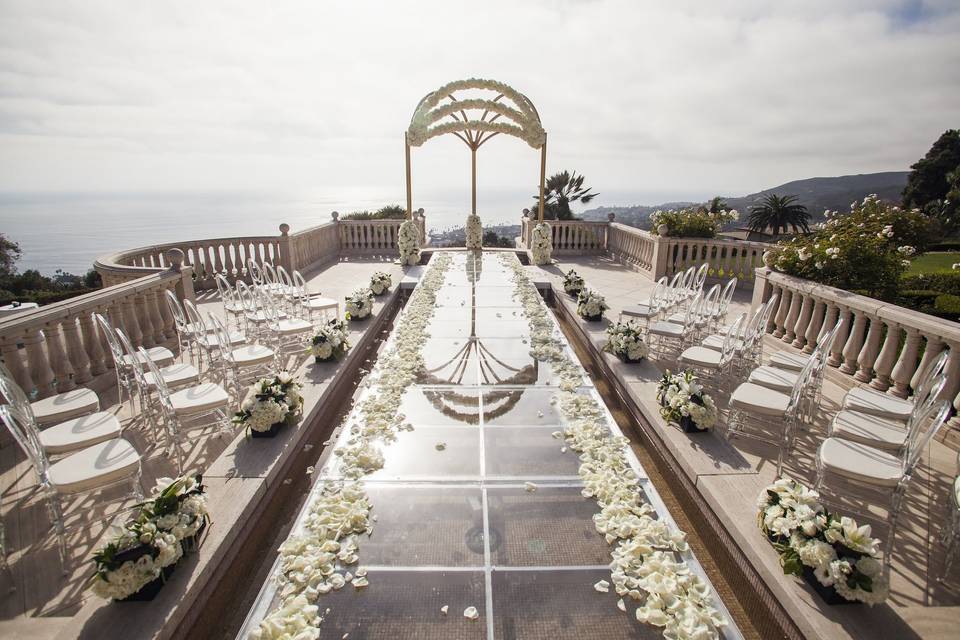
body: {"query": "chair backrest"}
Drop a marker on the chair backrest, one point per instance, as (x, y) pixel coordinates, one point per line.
(687, 283)
(136, 365)
(701, 278)
(757, 326)
(16, 396)
(673, 289)
(25, 433)
(934, 417)
(116, 349)
(179, 319)
(804, 378)
(195, 319)
(300, 286)
(256, 275)
(935, 369)
(694, 311)
(711, 302)
(732, 339)
(922, 403)
(656, 296)
(247, 297)
(768, 308)
(162, 390)
(223, 338)
(726, 296)
(224, 289)
(269, 274)
(284, 279)
(269, 306)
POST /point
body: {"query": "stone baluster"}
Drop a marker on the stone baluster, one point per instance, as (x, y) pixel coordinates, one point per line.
(75, 351)
(153, 305)
(930, 353)
(803, 321)
(780, 317)
(868, 355)
(778, 291)
(906, 364)
(887, 357)
(796, 301)
(952, 372)
(144, 320)
(57, 355)
(854, 342)
(813, 327)
(829, 320)
(836, 352)
(13, 359)
(37, 363)
(130, 324)
(92, 342)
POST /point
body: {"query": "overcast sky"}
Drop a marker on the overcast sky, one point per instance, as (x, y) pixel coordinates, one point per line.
(678, 101)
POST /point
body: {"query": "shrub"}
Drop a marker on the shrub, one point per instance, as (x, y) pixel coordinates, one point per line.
(691, 223)
(939, 282)
(949, 245)
(917, 298)
(947, 306)
(389, 212)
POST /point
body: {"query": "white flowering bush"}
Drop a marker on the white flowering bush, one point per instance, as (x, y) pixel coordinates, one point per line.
(573, 283)
(840, 555)
(359, 304)
(408, 243)
(691, 223)
(270, 402)
(541, 244)
(330, 341)
(591, 305)
(380, 282)
(625, 340)
(474, 232)
(682, 400)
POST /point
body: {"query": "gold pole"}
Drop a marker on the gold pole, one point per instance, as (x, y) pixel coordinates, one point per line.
(543, 175)
(409, 183)
(473, 166)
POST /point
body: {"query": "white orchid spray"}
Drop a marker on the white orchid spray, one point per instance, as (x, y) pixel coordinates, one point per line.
(541, 244)
(474, 232)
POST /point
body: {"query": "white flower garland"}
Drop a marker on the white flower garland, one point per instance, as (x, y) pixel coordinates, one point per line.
(541, 244)
(644, 567)
(359, 304)
(474, 232)
(408, 243)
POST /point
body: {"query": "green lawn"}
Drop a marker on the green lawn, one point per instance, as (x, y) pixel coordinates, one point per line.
(933, 263)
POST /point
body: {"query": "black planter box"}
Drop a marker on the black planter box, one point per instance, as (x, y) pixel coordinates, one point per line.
(689, 426)
(150, 590)
(828, 594)
(269, 433)
(592, 318)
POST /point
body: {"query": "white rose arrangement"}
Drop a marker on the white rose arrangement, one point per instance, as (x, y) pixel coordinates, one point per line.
(682, 400)
(330, 341)
(270, 402)
(591, 305)
(359, 304)
(408, 243)
(573, 283)
(474, 232)
(625, 340)
(541, 244)
(819, 546)
(380, 282)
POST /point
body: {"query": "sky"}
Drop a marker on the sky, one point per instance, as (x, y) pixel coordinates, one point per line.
(651, 101)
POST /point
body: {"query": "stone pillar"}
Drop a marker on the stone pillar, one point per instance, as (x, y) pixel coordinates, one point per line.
(852, 348)
(868, 355)
(887, 358)
(814, 324)
(13, 359)
(836, 352)
(75, 351)
(803, 322)
(905, 365)
(286, 257)
(796, 301)
(57, 355)
(37, 364)
(92, 343)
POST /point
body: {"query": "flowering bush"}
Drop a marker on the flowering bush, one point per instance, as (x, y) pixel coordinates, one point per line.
(691, 223)
(380, 282)
(408, 243)
(838, 553)
(866, 250)
(359, 304)
(269, 402)
(573, 283)
(541, 244)
(474, 232)
(591, 305)
(625, 340)
(330, 342)
(682, 399)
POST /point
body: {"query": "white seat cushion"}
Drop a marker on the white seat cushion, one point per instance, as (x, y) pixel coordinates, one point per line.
(753, 397)
(877, 403)
(252, 354)
(161, 356)
(860, 462)
(81, 432)
(63, 406)
(95, 466)
(666, 329)
(640, 311)
(882, 433)
(210, 341)
(203, 397)
(261, 316)
(322, 303)
(788, 360)
(701, 356)
(174, 375)
(715, 342)
(677, 318)
(781, 380)
(291, 326)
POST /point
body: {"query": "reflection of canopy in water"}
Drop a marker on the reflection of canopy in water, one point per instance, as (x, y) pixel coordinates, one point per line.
(455, 405)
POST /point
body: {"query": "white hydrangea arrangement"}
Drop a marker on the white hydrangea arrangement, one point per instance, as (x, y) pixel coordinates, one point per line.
(832, 552)
(145, 551)
(625, 340)
(541, 244)
(270, 402)
(408, 243)
(380, 282)
(573, 283)
(683, 401)
(330, 341)
(591, 305)
(474, 232)
(359, 304)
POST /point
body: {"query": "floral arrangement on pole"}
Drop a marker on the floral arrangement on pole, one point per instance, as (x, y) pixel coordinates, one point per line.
(330, 341)
(591, 305)
(691, 223)
(573, 283)
(541, 244)
(833, 554)
(474, 232)
(380, 282)
(359, 304)
(136, 561)
(270, 403)
(625, 340)
(683, 401)
(408, 243)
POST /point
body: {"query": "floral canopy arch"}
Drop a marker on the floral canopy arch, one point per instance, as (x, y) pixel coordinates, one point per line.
(457, 108)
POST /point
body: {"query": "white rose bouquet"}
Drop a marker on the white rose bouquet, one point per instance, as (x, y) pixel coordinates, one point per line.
(834, 555)
(359, 304)
(625, 340)
(541, 244)
(591, 305)
(683, 401)
(408, 243)
(270, 403)
(474, 232)
(330, 342)
(380, 282)
(573, 283)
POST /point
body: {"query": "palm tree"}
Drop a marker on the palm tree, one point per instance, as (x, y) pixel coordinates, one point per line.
(715, 205)
(778, 213)
(560, 190)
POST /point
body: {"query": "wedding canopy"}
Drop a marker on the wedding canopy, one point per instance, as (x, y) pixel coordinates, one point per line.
(454, 108)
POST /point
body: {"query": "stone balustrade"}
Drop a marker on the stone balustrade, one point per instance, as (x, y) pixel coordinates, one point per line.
(634, 247)
(58, 347)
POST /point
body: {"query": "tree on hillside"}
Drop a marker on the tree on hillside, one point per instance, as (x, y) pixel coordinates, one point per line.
(9, 254)
(560, 190)
(927, 181)
(779, 212)
(715, 205)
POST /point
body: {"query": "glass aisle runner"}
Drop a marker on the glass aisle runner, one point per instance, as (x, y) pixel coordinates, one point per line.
(457, 524)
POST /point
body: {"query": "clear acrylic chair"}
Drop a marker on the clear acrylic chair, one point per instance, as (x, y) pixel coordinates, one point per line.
(123, 361)
(284, 331)
(311, 304)
(719, 314)
(206, 341)
(241, 364)
(884, 405)
(646, 313)
(255, 273)
(254, 317)
(712, 366)
(950, 536)
(232, 307)
(186, 333)
(670, 337)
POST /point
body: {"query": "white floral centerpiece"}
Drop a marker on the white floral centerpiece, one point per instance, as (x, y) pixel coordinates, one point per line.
(408, 243)
(591, 305)
(573, 283)
(330, 341)
(683, 401)
(271, 402)
(474, 232)
(380, 282)
(541, 244)
(625, 340)
(833, 554)
(359, 304)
